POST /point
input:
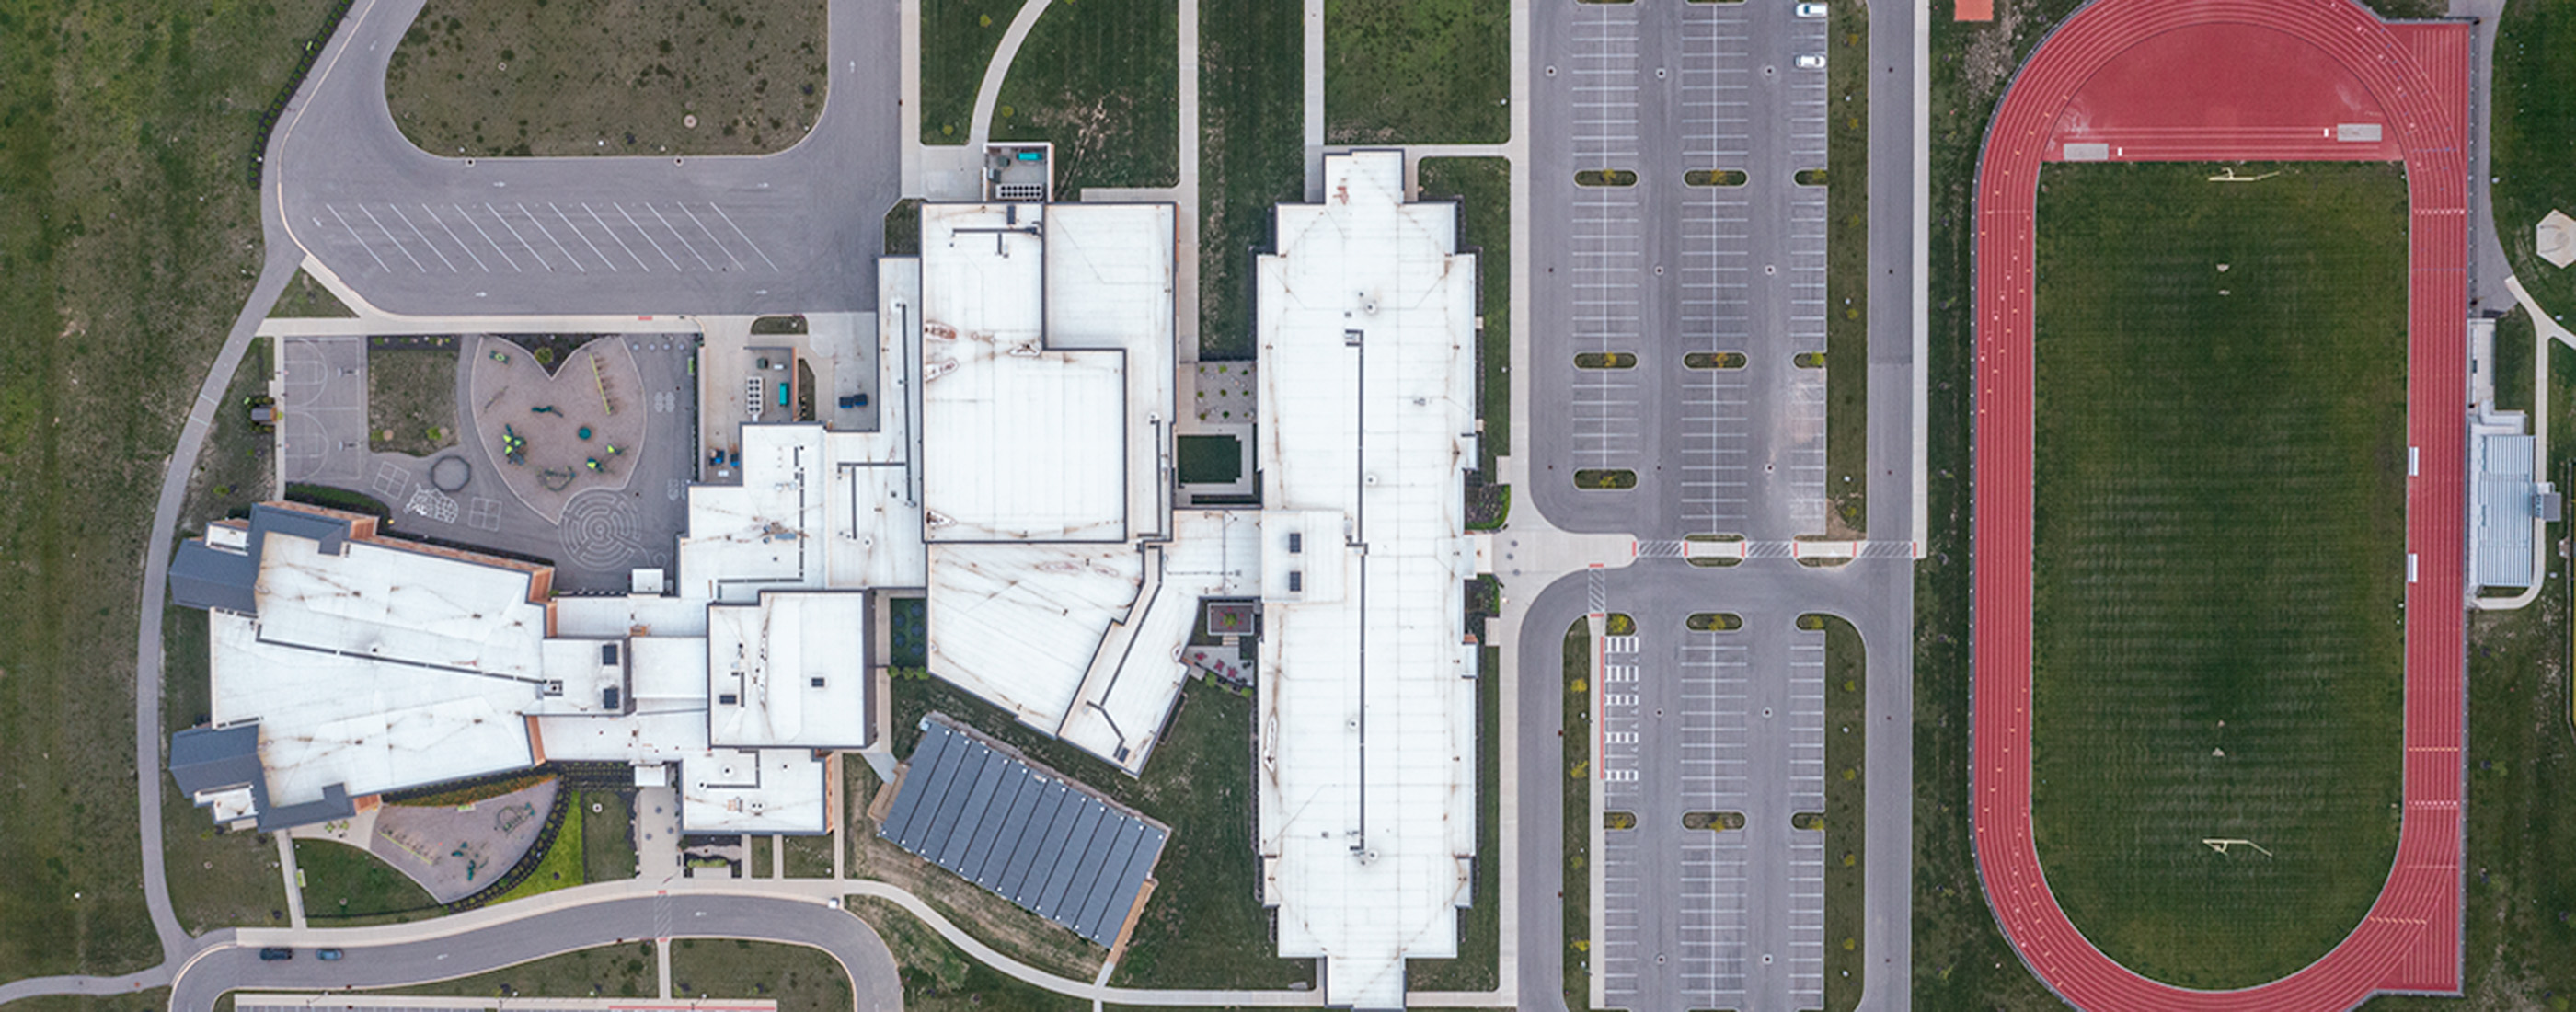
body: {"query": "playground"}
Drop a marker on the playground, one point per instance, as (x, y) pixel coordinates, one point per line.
(557, 430)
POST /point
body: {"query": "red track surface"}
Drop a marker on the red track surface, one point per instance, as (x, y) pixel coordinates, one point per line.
(2166, 80)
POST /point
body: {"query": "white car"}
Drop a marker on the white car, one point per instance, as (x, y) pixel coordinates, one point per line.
(1811, 10)
(1811, 61)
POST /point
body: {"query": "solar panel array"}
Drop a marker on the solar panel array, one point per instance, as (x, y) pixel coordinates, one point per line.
(1023, 832)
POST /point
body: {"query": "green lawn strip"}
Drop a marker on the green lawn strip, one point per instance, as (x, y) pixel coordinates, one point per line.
(2220, 473)
(607, 835)
(345, 885)
(1577, 741)
(903, 228)
(800, 978)
(217, 878)
(608, 77)
(1483, 187)
(233, 471)
(759, 849)
(938, 977)
(1480, 925)
(810, 856)
(1417, 72)
(1251, 153)
(1846, 812)
(958, 38)
(131, 244)
(609, 971)
(154, 1000)
(2513, 364)
(2532, 146)
(560, 867)
(411, 399)
(305, 298)
(1101, 80)
(1847, 273)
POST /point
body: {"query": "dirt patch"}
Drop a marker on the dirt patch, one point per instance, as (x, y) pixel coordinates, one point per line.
(411, 394)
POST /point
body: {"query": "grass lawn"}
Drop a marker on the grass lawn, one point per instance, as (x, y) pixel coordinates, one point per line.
(343, 883)
(1483, 187)
(609, 77)
(1846, 812)
(305, 298)
(217, 879)
(1847, 274)
(810, 856)
(411, 396)
(618, 971)
(2221, 506)
(1217, 459)
(1251, 153)
(938, 977)
(800, 978)
(1577, 743)
(957, 41)
(561, 867)
(1480, 925)
(2533, 144)
(607, 835)
(130, 243)
(1101, 79)
(1417, 71)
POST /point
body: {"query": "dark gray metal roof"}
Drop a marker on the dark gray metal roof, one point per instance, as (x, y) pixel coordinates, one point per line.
(203, 576)
(214, 758)
(975, 807)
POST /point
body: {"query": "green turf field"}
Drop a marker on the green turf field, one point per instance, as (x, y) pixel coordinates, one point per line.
(2221, 466)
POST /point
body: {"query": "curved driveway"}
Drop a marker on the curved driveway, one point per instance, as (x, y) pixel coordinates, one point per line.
(415, 233)
(2415, 78)
(463, 946)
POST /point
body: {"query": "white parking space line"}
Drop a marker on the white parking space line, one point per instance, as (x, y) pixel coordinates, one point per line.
(355, 237)
(648, 236)
(506, 258)
(424, 238)
(711, 236)
(585, 240)
(612, 237)
(744, 236)
(452, 237)
(550, 237)
(684, 240)
(389, 237)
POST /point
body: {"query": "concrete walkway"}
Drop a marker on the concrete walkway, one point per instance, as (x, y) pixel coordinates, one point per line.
(979, 131)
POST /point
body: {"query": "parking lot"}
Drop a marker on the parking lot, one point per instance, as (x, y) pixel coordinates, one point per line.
(1664, 269)
(1712, 722)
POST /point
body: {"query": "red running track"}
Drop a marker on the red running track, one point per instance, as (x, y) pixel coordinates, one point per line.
(2167, 80)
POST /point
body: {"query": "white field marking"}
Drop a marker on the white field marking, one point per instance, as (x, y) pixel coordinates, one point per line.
(424, 239)
(506, 258)
(550, 237)
(458, 240)
(711, 237)
(648, 236)
(746, 238)
(585, 240)
(612, 237)
(389, 237)
(684, 240)
(362, 243)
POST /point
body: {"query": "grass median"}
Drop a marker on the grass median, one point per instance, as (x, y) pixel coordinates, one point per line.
(2220, 482)
(1576, 740)
(1847, 274)
(1251, 153)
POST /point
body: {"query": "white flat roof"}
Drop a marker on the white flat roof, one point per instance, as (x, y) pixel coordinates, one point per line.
(1018, 623)
(1021, 441)
(1367, 805)
(815, 509)
(790, 671)
(1137, 673)
(419, 607)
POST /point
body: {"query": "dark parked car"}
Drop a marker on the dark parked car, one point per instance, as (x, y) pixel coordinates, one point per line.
(274, 953)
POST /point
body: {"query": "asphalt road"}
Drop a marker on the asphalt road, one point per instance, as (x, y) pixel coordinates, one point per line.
(493, 946)
(423, 234)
